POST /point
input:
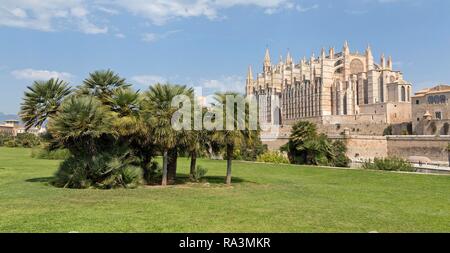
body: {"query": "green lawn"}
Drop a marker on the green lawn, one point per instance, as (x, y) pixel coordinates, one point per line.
(264, 198)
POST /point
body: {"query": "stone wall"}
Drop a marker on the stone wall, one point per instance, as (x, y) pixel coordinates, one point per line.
(369, 147)
(432, 147)
(364, 147)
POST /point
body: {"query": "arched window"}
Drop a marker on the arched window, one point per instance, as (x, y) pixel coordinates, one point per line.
(345, 105)
(403, 94)
(408, 93)
(430, 100)
(436, 99)
(356, 66)
(443, 99)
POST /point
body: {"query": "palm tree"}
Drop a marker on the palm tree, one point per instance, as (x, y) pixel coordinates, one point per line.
(229, 139)
(102, 85)
(158, 105)
(83, 125)
(42, 101)
(302, 132)
(198, 141)
(125, 102)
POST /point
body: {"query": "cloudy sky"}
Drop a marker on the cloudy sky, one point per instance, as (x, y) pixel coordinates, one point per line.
(209, 43)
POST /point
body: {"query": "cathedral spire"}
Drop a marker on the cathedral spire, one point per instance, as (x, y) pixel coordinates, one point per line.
(383, 62)
(346, 48)
(369, 51)
(369, 58)
(289, 58)
(389, 63)
(250, 73)
(322, 54)
(267, 63)
(331, 52)
(267, 58)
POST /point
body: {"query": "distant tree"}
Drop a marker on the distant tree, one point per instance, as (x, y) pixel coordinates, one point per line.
(42, 101)
(302, 132)
(387, 131)
(306, 146)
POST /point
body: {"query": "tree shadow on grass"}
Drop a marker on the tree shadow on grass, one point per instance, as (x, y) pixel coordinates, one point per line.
(40, 180)
(219, 180)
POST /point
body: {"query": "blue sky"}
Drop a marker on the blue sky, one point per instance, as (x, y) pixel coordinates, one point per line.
(209, 43)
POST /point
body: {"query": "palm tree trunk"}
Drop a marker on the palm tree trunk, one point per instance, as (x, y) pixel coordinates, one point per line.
(172, 157)
(229, 159)
(164, 172)
(193, 165)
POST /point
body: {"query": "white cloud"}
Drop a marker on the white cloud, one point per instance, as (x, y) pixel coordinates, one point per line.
(224, 83)
(120, 35)
(306, 9)
(48, 15)
(148, 79)
(161, 11)
(152, 37)
(84, 15)
(32, 74)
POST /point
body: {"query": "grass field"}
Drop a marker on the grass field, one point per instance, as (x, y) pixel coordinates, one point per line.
(264, 198)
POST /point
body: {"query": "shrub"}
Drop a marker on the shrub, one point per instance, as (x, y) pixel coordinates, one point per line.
(387, 131)
(307, 146)
(200, 172)
(10, 144)
(272, 157)
(153, 173)
(104, 171)
(389, 164)
(27, 140)
(44, 153)
(4, 138)
(339, 150)
(24, 140)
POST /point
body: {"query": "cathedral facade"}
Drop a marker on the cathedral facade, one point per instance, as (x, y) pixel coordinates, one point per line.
(332, 89)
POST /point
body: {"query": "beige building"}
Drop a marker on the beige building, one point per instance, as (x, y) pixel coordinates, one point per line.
(13, 127)
(335, 89)
(431, 111)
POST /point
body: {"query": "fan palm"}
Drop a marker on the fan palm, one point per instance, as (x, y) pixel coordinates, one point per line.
(83, 125)
(42, 101)
(124, 101)
(102, 85)
(302, 132)
(158, 105)
(196, 142)
(229, 139)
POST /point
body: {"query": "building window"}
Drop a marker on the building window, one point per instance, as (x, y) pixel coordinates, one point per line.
(436, 99)
(403, 94)
(417, 102)
(439, 115)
